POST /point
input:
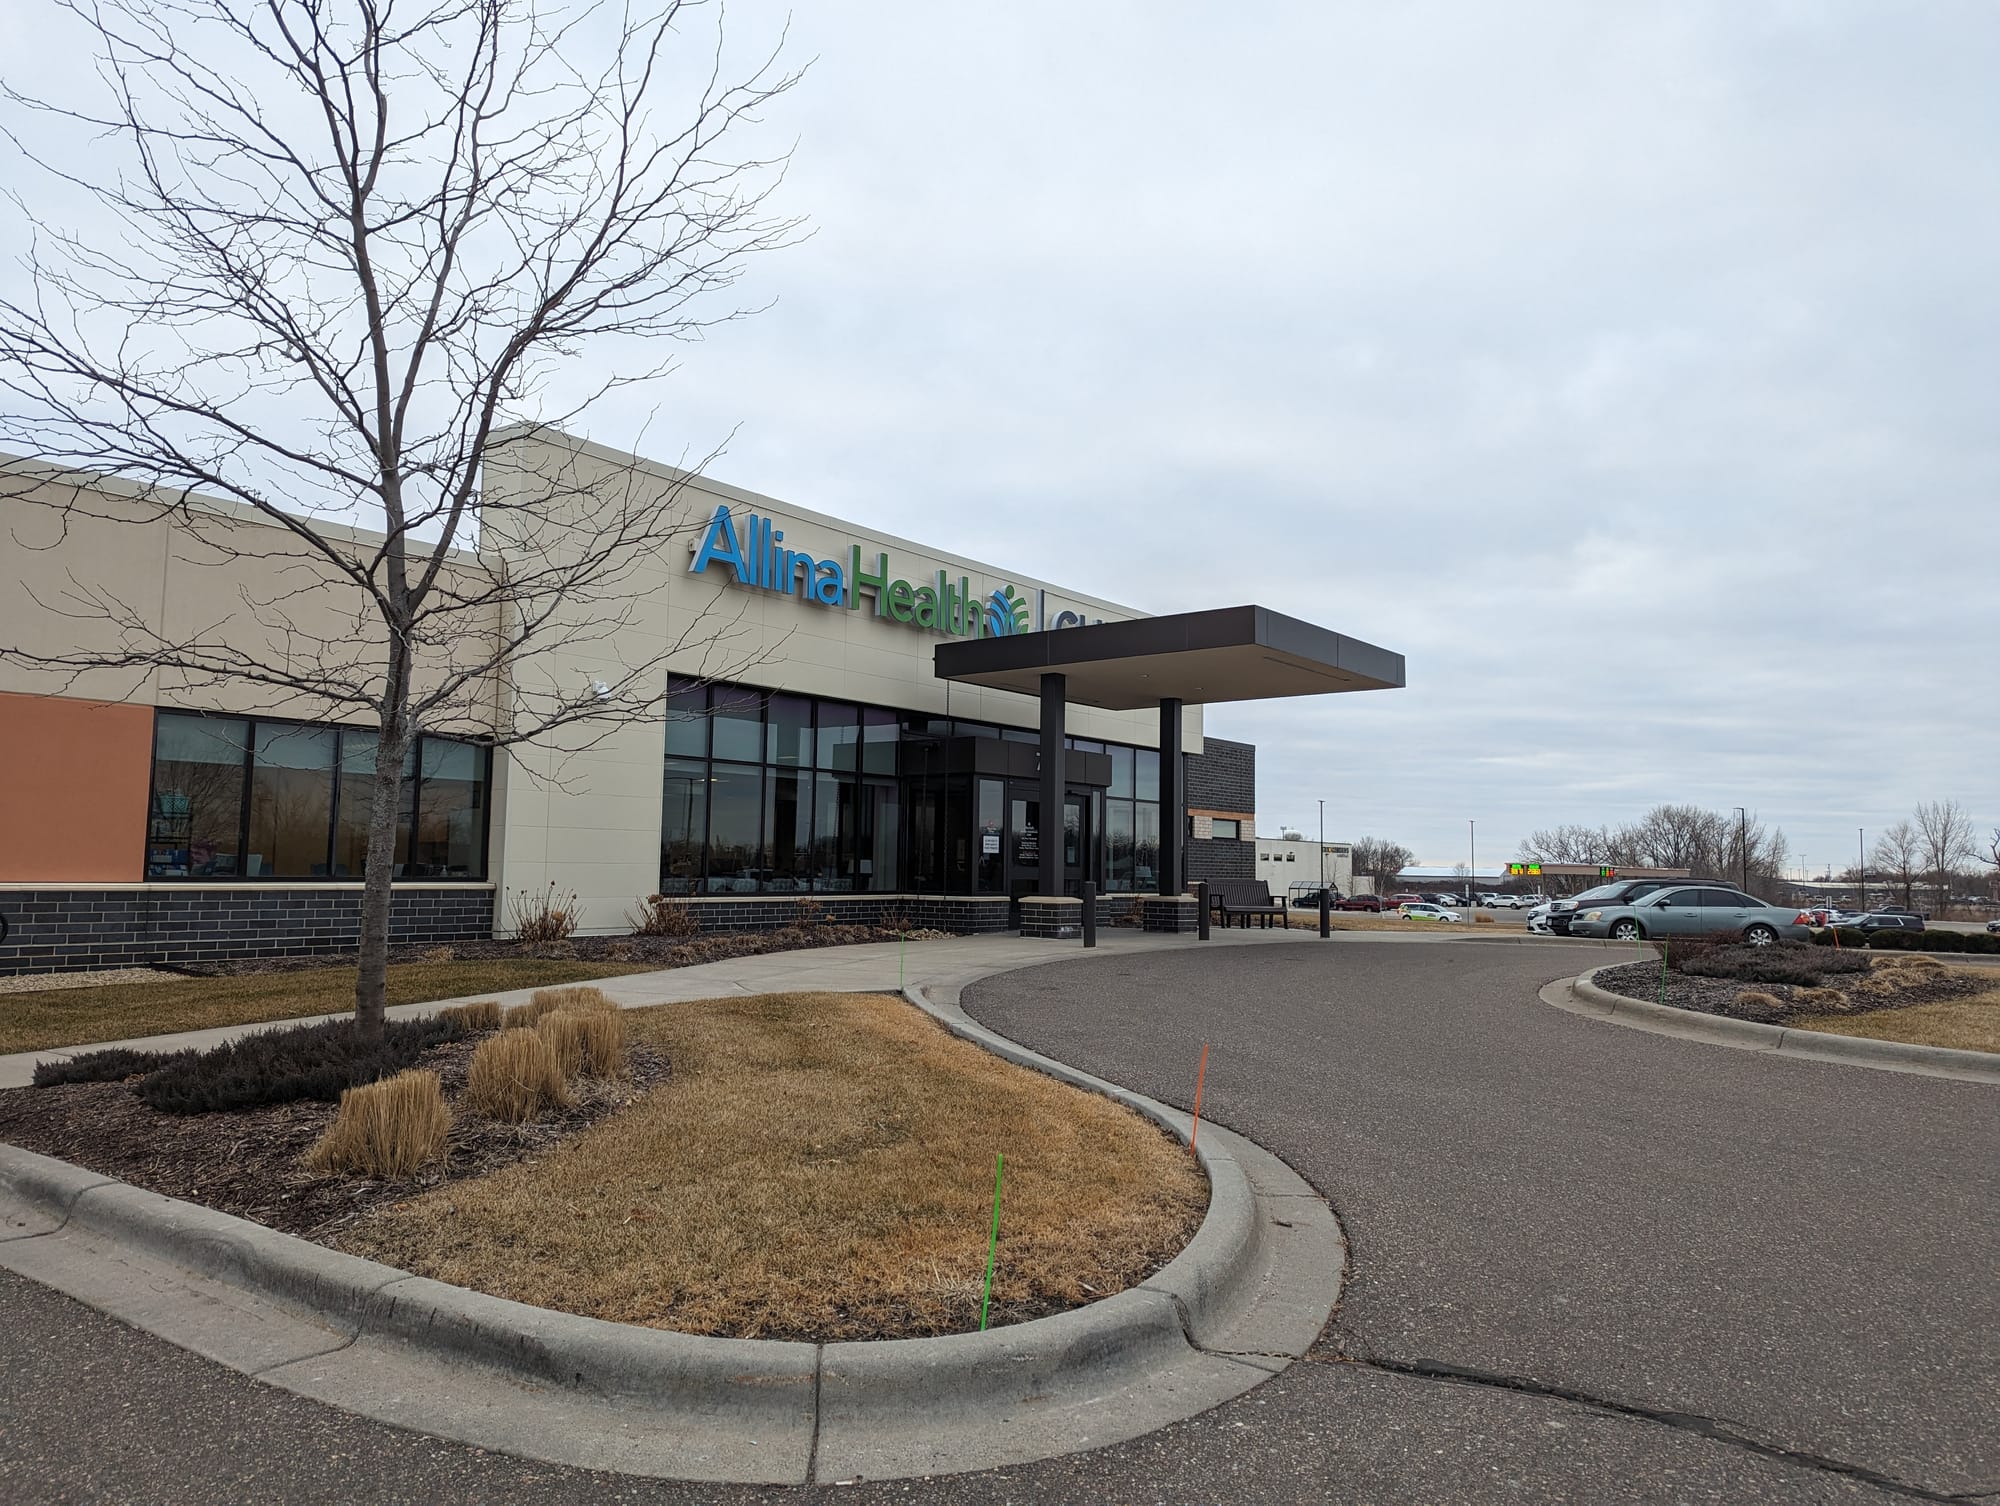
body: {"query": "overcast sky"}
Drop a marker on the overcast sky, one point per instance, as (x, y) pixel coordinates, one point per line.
(1629, 368)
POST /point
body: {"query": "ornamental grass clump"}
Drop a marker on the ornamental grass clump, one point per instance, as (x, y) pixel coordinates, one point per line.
(513, 1077)
(603, 1043)
(574, 998)
(563, 1034)
(386, 1130)
(577, 998)
(484, 1015)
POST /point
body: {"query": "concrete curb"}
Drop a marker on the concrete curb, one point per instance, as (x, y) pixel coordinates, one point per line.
(1581, 995)
(1251, 1291)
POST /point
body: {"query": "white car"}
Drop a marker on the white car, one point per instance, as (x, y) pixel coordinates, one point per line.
(1430, 912)
(1538, 919)
(1503, 901)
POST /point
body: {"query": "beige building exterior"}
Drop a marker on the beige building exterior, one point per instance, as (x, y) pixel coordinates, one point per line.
(87, 563)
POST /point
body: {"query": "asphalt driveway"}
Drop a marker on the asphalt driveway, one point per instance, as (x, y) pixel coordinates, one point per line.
(1590, 1265)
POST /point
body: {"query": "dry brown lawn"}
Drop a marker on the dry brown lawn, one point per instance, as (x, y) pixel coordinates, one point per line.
(118, 1011)
(819, 1167)
(1968, 1024)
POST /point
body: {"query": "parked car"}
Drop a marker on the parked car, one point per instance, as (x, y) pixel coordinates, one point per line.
(1374, 904)
(1507, 902)
(1562, 911)
(1993, 926)
(1430, 912)
(1885, 920)
(1902, 910)
(1538, 919)
(1685, 909)
(1407, 899)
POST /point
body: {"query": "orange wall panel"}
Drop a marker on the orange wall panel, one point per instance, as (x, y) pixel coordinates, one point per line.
(74, 777)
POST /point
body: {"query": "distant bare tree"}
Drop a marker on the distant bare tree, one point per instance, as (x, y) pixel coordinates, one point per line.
(1381, 860)
(1945, 840)
(1898, 857)
(1709, 844)
(350, 245)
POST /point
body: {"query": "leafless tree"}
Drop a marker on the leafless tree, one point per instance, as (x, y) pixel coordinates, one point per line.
(1708, 844)
(1381, 860)
(1945, 840)
(343, 249)
(1898, 857)
(1992, 860)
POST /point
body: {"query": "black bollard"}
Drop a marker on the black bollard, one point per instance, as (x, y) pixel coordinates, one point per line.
(1090, 915)
(1201, 910)
(1325, 912)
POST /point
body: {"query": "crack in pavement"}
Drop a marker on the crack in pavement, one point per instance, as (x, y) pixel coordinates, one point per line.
(1717, 1430)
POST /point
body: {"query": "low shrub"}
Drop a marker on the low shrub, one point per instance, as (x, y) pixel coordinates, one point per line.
(113, 1065)
(1830, 1000)
(282, 1066)
(519, 1017)
(1844, 938)
(484, 1015)
(563, 1034)
(386, 1129)
(663, 915)
(603, 1043)
(513, 1077)
(545, 919)
(1482, 919)
(1936, 941)
(1784, 963)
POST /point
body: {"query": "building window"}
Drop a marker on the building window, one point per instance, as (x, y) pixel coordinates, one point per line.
(768, 793)
(196, 823)
(1224, 830)
(257, 798)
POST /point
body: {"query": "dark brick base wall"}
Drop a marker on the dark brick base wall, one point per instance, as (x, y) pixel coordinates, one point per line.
(1219, 859)
(961, 914)
(1174, 914)
(73, 930)
(1051, 919)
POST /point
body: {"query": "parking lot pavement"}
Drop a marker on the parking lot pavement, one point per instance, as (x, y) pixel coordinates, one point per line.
(1588, 1265)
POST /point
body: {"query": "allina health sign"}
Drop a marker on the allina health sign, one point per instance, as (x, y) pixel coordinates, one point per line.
(754, 550)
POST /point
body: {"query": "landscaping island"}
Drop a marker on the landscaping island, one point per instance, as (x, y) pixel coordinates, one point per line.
(1897, 996)
(800, 1166)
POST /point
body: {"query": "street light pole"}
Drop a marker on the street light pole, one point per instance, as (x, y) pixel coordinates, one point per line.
(1861, 864)
(1742, 848)
(1472, 873)
(1322, 845)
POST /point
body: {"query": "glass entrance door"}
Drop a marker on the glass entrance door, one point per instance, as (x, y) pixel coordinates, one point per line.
(1022, 842)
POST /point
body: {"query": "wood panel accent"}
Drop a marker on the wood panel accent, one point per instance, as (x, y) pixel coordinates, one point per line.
(74, 779)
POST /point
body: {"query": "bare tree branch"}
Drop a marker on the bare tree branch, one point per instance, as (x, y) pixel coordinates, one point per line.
(359, 242)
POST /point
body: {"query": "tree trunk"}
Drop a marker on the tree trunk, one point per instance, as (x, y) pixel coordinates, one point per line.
(377, 894)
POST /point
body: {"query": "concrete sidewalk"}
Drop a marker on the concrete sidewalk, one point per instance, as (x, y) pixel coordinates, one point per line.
(884, 967)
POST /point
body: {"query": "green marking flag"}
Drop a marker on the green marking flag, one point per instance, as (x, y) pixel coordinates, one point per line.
(993, 1240)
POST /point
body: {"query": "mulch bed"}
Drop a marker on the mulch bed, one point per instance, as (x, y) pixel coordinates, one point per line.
(251, 1164)
(651, 951)
(1719, 996)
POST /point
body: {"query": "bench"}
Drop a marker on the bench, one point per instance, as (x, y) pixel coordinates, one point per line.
(1239, 899)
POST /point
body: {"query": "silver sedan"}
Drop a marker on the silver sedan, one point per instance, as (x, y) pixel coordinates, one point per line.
(1694, 911)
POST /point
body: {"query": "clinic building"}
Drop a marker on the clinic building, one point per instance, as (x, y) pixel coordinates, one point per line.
(865, 721)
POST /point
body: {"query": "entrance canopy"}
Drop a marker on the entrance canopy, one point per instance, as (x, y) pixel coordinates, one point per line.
(1201, 658)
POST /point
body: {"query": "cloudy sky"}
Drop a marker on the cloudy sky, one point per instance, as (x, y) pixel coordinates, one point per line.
(1632, 369)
